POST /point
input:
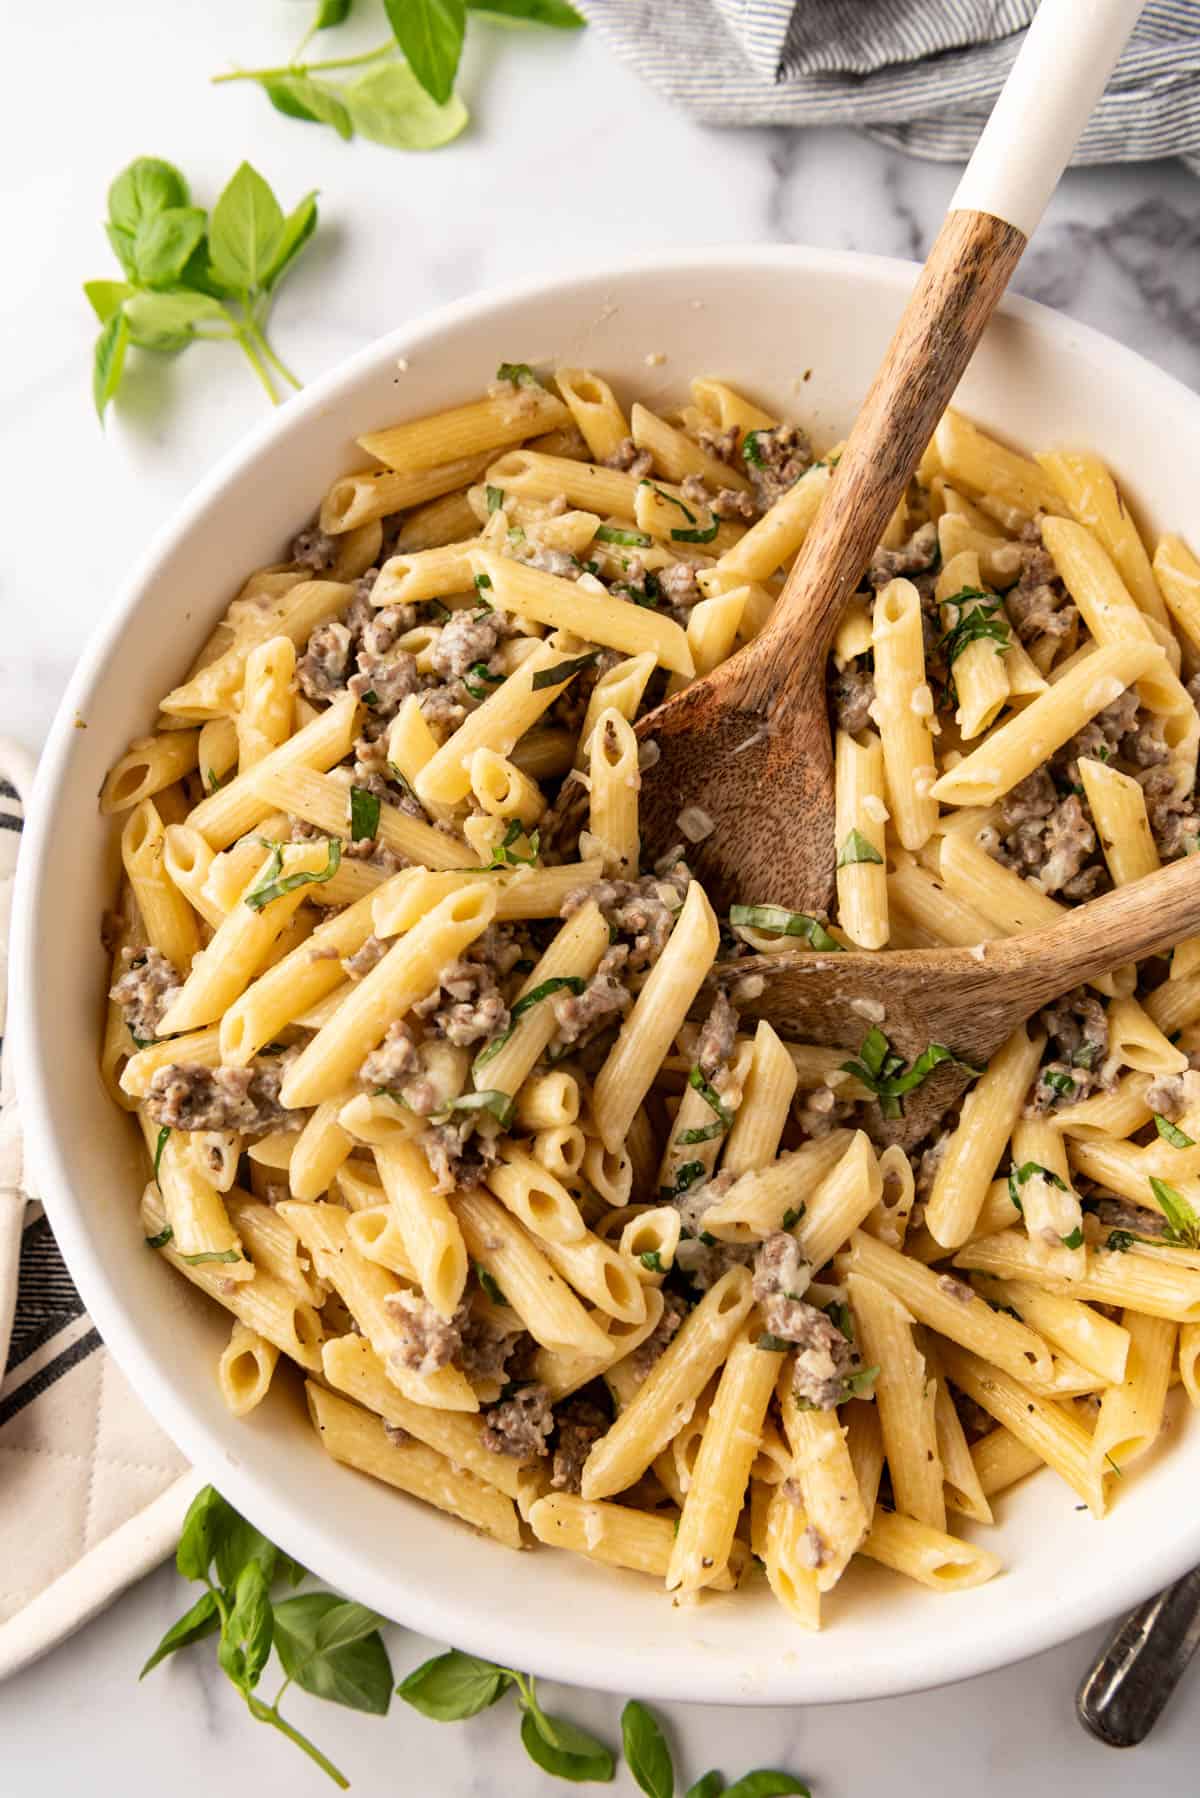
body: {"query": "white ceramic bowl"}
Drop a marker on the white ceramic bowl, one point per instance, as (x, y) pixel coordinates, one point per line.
(802, 330)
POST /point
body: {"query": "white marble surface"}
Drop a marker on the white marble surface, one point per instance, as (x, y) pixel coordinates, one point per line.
(546, 181)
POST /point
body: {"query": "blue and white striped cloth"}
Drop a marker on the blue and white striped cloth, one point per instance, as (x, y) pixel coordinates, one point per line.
(918, 74)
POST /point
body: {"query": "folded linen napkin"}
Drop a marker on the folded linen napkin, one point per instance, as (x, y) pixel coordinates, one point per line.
(919, 74)
(92, 1493)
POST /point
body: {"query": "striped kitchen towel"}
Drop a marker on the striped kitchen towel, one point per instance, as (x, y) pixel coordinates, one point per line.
(918, 74)
(92, 1493)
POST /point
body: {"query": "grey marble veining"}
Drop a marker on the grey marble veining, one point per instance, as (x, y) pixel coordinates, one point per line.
(1119, 249)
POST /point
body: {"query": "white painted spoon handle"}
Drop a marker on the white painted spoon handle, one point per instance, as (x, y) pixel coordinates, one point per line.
(1070, 50)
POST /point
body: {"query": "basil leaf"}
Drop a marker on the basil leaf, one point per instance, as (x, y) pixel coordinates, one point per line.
(857, 849)
(776, 921)
(495, 499)
(646, 1751)
(391, 106)
(273, 884)
(1017, 1177)
(1178, 1139)
(207, 1518)
(501, 1105)
(979, 624)
(534, 12)
(792, 1215)
(882, 1071)
(332, 1648)
(1183, 1225)
(430, 33)
(713, 1100)
(161, 1240)
(147, 186)
(750, 450)
(245, 231)
(298, 227)
(697, 536)
(1120, 1241)
(573, 1754)
(711, 1784)
(1074, 1240)
(479, 678)
(670, 500)
(490, 1285)
(775, 1345)
(767, 1783)
(164, 241)
(651, 1259)
(107, 297)
(202, 1620)
(452, 1686)
(504, 854)
(519, 374)
(159, 1145)
(608, 533)
(301, 97)
(364, 815)
(211, 1255)
(858, 1384)
(562, 671)
(237, 1545)
(108, 362)
(556, 983)
(245, 1644)
(156, 316)
(1060, 1082)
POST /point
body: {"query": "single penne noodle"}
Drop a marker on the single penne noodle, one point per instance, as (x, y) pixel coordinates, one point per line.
(978, 462)
(942, 1304)
(902, 709)
(245, 1369)
(167, 918)
(658, 1011)
(547, 1307)
(905, 1394)
(595, 409)
(148, 765)
(1000, 1461)
(1019, 746)
(560, 1150)
(541, 1202)
(1118, 806)
(776, 537)
(617, 624)
(979, 672)
(822, 1467)
(599, 1273)
(406, 973)
(1125, 1169)
(325, 801)
(617, 1535)
(273, 1245)
(238, 807)
(509, 414)
(426, 574)
(889, 1218)
(721, 405)
(676, 455)
(356, 499)
(1132, 1280)
(613, 796)
(360, 1440)
(719, 1478)
(989, 1112)
(531, 475)
(1051, 1430)
(264, 720)
(1078, 1331)
(1049, 1204)
(202, 1232)
(320, 1149)
(927, 1555)
(199, 1047)
(299, 609)
(651, 1239)
(663, 1402)
(758, 1201)
(187, 859)
(502, 791)
(862, 892)
(960, 1477)
(548, 1101)
(1189, 1361)
(1118, 1113)
(375, 1232)
(758, 1124)
(432, 1239)
(998, 558)
(787, 1553)
(1131, 1412)
(1093, 497)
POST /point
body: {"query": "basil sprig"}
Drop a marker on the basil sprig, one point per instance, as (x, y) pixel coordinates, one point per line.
(884, 1074)
(712, 1098)
(273, 883)
(190, 276)
(364, 815)
(776, 921)
(454, 1686)
(648, 1757)
(1183, 1225)
(557, 983)
(327, 1645)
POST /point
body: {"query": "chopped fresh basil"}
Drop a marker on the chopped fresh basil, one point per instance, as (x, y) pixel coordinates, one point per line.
(883, 1073)
(1061, 1083)
(651, 1259)
(162, 1239)
(441, 614)
(364, 815)
(563, 671)
(159, 1146)
(1119, 1471)
(724, 1117)
(370, 697)
(1074, 1240)
(490, 1285)
(1120, 1241)
(791, 1216)
(140, 1042)
(479, 678)
(495, 498)
(750, 450)
(608, 533)
(501, 1105)
(838, 1312)
(1178, 1139)
(1017, 1177)
(686, 1176)
(557, 983)
(215, 781)
(516, 534)
(670, 499)
(1183, 1225)
(857, 1385)
(518, 373)
(776, 921)
(856, 849)
(697, 536)
(402, 781)
(980, 624)
(211, 1255)
(504, 855)
(274, 884)
(775, 1345)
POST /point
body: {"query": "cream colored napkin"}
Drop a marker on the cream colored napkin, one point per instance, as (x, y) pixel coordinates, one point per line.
(92, 1493)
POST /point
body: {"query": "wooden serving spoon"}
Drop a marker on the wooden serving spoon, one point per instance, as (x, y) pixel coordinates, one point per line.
(967, 1000)
(749, 745)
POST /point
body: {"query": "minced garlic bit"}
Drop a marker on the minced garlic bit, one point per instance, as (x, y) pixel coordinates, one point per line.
(655, 358)
(875, 809)
(921, 700)
(402, 364)
(695, 823)
(871, 1009)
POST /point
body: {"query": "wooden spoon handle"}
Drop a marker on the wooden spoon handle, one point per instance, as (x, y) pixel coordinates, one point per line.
(967, 271)
(1140, 919)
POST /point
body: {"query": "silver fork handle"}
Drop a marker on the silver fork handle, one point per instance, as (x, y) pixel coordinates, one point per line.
(1141, 1664)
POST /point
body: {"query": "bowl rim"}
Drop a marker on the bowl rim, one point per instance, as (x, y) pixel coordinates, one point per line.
(688, 1677)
